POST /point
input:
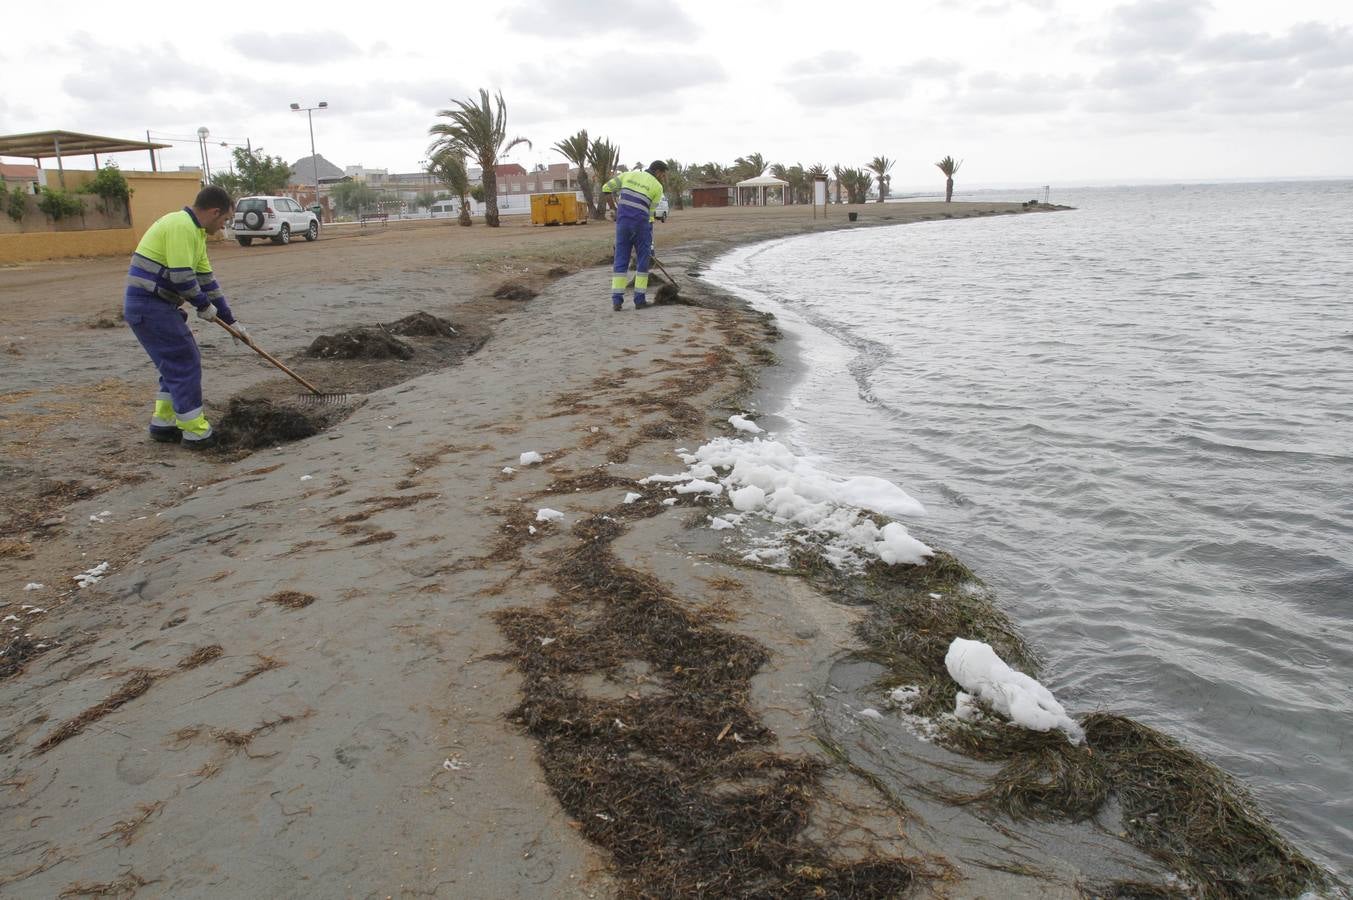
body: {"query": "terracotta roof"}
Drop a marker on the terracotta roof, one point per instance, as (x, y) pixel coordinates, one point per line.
(18, 170)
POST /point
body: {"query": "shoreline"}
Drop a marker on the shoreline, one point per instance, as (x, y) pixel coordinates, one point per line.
(381, 705)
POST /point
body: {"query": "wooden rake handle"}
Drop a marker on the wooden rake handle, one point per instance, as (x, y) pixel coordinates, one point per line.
(657, 262)
(249, 342)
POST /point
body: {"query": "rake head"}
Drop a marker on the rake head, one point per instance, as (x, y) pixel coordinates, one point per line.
(324, 399)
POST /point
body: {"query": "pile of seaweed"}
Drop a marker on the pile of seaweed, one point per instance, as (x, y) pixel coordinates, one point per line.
(1176, 806)
(252, 423)
(362, 342)
(674, 781)
(421, 324)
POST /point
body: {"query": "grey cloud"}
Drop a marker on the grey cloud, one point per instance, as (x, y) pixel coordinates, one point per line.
(1163, 26)
(829, 61)
(654, 20)
(300, 48)
(993, 93)
(1316, 44)
(593, 85)
(844, 90)
(930, 68)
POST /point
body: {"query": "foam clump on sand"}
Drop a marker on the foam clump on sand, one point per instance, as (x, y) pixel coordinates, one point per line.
(742, 423)
(1021, 699)
(531, 457)
(91, 576)
(545, 514)
(763, 477)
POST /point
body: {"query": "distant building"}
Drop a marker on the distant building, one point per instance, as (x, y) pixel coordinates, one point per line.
(712, 195)
(513, 179)
(14, 175)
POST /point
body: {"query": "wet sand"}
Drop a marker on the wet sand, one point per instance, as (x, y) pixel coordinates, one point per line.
(178, 729)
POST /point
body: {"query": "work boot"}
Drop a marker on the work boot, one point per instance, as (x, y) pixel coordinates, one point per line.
(162, 427)
(197, 433)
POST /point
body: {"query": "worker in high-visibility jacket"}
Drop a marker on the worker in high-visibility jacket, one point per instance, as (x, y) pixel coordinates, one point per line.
(168, 270)
(634, 196)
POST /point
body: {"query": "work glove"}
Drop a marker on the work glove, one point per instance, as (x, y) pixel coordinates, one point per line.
(207, 313)
(243, 332)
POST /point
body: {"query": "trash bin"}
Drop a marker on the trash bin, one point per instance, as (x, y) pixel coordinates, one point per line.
(318, 211)
(852, 216)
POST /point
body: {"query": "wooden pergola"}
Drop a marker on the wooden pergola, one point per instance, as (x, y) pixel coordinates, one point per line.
(40, 145)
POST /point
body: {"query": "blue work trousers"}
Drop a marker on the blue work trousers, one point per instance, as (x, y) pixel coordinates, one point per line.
(635, 237)
(163, 331)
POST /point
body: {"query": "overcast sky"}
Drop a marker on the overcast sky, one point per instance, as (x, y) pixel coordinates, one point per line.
(1025, 92)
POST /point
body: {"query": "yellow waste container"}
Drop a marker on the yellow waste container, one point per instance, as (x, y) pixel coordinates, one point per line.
(557, 209)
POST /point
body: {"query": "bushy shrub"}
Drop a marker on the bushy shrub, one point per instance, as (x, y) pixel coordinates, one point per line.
(15, 204)
(109, 185)
(60, 204)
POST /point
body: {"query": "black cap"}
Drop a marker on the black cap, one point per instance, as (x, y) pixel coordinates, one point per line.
(657, 166)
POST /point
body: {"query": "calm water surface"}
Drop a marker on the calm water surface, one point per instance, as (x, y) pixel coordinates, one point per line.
(1135, 421)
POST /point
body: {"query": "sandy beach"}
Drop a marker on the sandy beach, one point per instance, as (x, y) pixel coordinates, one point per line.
(359, 664)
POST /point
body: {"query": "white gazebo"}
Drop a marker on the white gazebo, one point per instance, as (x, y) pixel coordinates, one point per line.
(762, 182)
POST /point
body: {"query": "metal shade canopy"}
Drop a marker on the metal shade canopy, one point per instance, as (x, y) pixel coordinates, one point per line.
(59, 144)
(47, 144)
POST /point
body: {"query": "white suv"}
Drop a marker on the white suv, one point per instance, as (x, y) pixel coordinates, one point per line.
(660, 211)
(275, 218)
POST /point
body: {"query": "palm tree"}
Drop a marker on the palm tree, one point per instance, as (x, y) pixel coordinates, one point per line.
(880, 166)
(857, 183)
(678, 181)
(948, 167)
(749, 166)
(605, 159)
(479, 131)
(714, 173)
(448, 167)
(838, 174)
(575, 150)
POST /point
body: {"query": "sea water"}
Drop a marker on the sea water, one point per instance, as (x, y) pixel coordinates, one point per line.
(1134, 420)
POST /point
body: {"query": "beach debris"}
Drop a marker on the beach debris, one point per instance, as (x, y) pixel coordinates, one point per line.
(454, 764)
(530, 529)
(870, 713)
(670, 501)
(514, 291)
(362, 342)
(700, 486)
(744, 424)
(630, 497)
(719, 523)
(508, 470)
(545, 514)
(91, 576)
(765, 478)
(10, 618)
(905, 696)
(250, 424)
(421, 324)
(985, 676)
(101, 518)
(530, 458)
(546, 641)
(307, 477)
(33, 586)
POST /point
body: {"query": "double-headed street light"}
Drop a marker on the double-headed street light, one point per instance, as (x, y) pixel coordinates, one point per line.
(314, 160)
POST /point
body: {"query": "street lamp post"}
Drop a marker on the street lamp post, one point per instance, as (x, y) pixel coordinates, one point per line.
(202, 135)
(314, 160)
